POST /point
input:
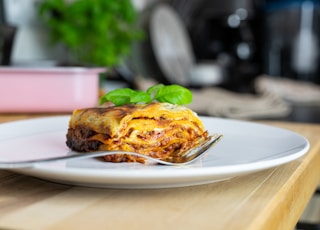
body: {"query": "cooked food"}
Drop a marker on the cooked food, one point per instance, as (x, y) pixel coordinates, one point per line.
(159, 130)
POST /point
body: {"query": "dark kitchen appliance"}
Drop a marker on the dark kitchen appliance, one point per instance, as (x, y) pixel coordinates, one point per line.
(291, 46)
(228, 32)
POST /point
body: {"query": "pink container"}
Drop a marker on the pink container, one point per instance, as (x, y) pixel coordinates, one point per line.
(56, 89)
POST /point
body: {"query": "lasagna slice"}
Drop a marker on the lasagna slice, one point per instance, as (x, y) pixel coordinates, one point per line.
(159, 130)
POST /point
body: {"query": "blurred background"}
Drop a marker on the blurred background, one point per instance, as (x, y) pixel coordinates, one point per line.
(264, 52)
(243, 59)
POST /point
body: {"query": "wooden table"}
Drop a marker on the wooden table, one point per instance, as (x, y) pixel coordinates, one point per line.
(270, 199)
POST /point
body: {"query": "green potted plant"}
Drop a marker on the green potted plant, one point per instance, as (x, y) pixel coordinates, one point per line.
(94, 32)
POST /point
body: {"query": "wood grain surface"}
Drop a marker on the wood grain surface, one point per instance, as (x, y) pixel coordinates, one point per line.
(270, 199)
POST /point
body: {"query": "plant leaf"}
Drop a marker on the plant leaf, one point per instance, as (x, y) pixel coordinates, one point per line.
(153, 90)
(118, 96)
(174, 94)
(140, 97)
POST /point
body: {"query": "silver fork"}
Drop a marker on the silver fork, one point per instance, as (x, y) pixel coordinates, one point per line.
(183, 159)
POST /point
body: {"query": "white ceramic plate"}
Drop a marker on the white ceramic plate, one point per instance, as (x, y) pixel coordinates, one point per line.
(246, 147)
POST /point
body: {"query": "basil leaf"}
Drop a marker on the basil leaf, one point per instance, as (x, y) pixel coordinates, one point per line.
(140, 96)
(174, 94)
(153, 90)
(118, 96)
(120, 100)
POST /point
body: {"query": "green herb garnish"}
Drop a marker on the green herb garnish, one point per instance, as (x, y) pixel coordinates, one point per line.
(174, 94)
